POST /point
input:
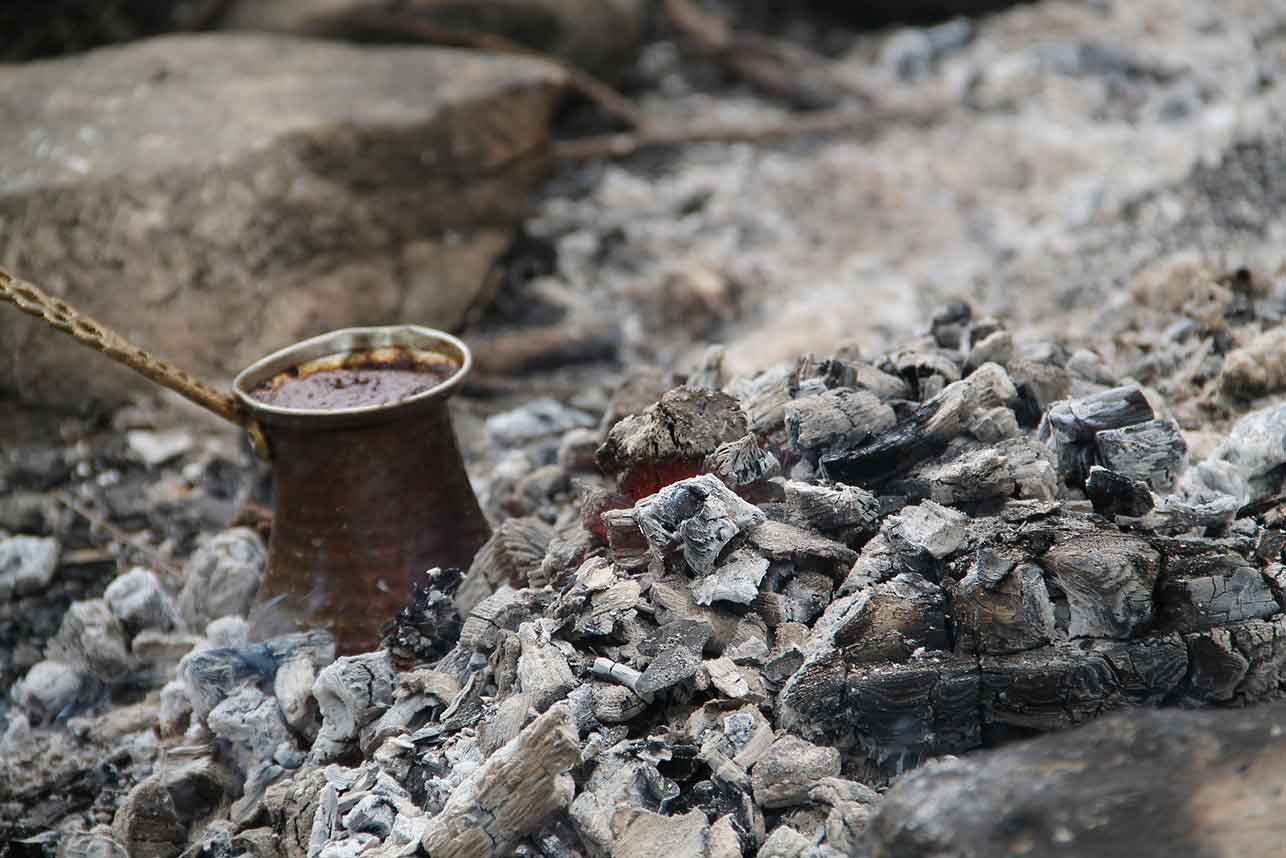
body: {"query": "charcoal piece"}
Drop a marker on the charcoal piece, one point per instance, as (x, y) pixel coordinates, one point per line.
(351, 692)
(788, 771)
(92, 640)
(139, 601)
(926, 370)
(877, 562)
(681, 429)
(1001, 606)
(1061, 686)
(896, 715)
(627, 544)
(615, 704)
(905, 714)
(812, 591)
(950, 324)
(50, 689)
(292, 686)
(692, 635)
(1114, 494)
(742, 462)
(510, 557)
(27, 565)
(251, 728)
(1245, 464)
(1217, 590)
(835, 420)
(779, 541)
(736, 580)
(888, 621)
(1154, 452)
(147, 823)
(504, 610)
(222, 577)
(925, 534)
(1147, 776)
(511, 794)
(1031, 466)
(672, 599)
(669, 668)
(1108, 577)
(922, 435)
(996, 347)
(970, 477)
(639, 833)
(1070, 427)
(543, 672)
(845, 511)
(1215, 667)
(429, 625)
(1039, 385)
(1263, 644)
(699, 515)
(728, 679)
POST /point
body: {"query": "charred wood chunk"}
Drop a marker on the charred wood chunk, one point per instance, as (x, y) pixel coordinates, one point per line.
(1062, 686)
(1263, 644)
(890, 621)
(789, 769)
(1217, 589)
(1114, 494)
(627, 545)
(783, 542)
(968, 477)
(512, 556)
(511, 794)
(736, 580)
(1215, 667)
(846, 511)
(1070, 427)
(681, 429)
(426, 629)
(925, 433)
(924, 535)
(700, 516)
(1108, 577)
(1039, 385)
(836, 419)
(1001, 606)
(742, 462)
(902, 715)
(1154, 452)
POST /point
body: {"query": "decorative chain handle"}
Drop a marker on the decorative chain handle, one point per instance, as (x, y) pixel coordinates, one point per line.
(66, 318)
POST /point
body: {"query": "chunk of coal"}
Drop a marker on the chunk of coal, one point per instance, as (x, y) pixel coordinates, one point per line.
(926, 432)
(736, 580)
(222, 577)
(1212, 588)
(700, 515)
(692, 635)
(140, 602)
(924, 534)
(1154, 452)
(835, 420)
(887, 622)
(846, 511)
(789, 770)
(742, 462)
(27, 565)
(1115, 494)
(511, 556)
(1070, 427)
(429, 626)
(1108, 578)
(1001, 606)
(670, 667)
(92, 640)
(646, 450)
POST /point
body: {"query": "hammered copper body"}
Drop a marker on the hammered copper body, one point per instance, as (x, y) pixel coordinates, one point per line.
(365, 498)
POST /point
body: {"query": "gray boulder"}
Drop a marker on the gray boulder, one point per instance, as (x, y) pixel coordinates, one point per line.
(217, 197)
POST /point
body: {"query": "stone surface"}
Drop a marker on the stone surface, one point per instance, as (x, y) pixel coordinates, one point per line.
(175, 184)
(1164, 783)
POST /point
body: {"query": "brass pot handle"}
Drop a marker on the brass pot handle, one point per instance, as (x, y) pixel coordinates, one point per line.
(88, 331)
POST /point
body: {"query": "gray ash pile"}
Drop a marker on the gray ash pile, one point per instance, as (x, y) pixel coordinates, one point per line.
(719, 619)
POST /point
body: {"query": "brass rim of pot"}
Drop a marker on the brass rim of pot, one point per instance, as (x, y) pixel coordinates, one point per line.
(426, 347)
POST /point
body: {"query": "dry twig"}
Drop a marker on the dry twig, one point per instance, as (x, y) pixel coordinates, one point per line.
(158, 560)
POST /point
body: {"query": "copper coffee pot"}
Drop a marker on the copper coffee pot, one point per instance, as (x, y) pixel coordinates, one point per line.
(364, 497)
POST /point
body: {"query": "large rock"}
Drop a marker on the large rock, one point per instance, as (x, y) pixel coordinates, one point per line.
(599, 34)
(1137, 784)
(217, 197)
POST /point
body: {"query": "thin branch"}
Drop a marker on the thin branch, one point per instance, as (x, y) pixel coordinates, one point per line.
(161, 562)
(390, 25)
